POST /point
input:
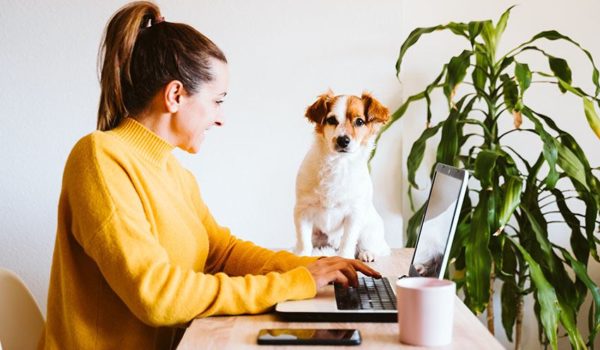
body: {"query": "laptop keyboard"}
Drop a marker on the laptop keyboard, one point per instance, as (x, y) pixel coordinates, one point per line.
(371, 294)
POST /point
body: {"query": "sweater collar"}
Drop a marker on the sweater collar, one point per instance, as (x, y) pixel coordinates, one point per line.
(144, 141)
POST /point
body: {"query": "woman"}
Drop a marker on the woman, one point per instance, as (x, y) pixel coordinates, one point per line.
(137, 251)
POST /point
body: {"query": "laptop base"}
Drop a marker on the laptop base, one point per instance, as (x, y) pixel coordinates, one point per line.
(338, 317)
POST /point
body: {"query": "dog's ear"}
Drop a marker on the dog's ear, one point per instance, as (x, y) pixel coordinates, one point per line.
(374, 110)
(318, 110)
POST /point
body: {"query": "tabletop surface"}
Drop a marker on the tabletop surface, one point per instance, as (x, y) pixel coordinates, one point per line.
(239, 332)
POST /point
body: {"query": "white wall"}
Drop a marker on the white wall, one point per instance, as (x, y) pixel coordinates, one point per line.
(282, 54)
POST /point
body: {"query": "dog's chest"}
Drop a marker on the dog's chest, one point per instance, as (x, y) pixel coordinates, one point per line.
(340, 185)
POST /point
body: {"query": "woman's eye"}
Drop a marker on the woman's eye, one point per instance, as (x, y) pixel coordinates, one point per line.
(332, 121)
(219, 102)
(359, 122)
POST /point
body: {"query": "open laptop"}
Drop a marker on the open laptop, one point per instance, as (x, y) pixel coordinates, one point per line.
(374, 300)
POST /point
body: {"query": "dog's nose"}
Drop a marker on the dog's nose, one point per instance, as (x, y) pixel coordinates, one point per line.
(343, 141)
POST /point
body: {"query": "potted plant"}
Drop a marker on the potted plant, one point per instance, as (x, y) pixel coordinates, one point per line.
(502, 232)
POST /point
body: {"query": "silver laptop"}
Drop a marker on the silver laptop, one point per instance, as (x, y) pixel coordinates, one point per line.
(374, 300)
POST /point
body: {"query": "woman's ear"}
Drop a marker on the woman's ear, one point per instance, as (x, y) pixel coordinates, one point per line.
(374, 110)
(318, 110)
(172, 95)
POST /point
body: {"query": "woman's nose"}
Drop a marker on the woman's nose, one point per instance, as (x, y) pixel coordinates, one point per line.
(220, 120)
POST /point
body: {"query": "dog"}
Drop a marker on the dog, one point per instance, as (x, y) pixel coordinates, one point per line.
(334, 212)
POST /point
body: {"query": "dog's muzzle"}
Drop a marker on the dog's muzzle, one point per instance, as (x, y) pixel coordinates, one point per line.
(341, 143)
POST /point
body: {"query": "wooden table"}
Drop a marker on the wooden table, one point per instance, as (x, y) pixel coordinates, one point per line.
(239, 332)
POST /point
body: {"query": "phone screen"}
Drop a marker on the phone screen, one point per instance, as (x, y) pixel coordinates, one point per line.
(309, 336)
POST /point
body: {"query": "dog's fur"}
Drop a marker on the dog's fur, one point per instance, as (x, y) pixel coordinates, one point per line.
(334, 212)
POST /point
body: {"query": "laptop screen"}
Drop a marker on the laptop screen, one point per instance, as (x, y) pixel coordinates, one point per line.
(439, 222)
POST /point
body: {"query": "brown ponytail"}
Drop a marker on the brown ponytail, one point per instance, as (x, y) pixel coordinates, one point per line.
(141, 53)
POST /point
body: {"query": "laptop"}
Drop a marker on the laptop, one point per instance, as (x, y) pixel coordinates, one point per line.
(374, 300)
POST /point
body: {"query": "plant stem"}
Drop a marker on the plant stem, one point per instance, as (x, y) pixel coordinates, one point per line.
(490, 306)
(519, 323)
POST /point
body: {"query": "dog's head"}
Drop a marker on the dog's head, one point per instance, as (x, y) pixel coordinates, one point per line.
(347, 123)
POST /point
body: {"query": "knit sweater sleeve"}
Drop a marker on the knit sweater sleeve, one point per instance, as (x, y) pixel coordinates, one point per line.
(109, 222)
(237, 257)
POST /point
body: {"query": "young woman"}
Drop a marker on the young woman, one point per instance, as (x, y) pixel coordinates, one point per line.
(137, 252)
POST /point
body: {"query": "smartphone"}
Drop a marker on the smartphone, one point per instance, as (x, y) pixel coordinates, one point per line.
(308, 336)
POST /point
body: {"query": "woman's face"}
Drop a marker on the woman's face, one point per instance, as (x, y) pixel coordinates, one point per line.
(199, 112)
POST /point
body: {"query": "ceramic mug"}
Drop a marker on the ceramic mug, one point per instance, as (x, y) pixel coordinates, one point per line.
(425, 310)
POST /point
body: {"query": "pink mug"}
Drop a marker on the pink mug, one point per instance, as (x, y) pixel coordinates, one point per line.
(425, 310)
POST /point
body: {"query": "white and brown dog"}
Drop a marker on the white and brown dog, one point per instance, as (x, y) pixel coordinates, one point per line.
(334, 212)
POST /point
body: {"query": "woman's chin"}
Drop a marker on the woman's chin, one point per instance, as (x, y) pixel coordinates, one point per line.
(193, 149)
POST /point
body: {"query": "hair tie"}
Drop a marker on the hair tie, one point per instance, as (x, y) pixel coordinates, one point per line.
(158, 20)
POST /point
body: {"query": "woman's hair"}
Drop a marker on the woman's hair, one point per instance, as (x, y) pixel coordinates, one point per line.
(141, 53)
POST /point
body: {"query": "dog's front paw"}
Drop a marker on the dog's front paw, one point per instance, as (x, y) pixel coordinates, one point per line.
(324, 251)
(366, 256)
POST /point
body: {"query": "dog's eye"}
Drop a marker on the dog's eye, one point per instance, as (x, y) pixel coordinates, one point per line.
(332, 121)
(359, 122)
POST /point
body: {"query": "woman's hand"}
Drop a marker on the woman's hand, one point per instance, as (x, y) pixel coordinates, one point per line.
(339, 270)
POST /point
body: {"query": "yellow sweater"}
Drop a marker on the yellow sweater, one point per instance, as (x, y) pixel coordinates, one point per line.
(137, 251)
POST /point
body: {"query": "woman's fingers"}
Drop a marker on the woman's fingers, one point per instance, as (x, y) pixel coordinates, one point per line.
(339, 270)
(365, 269)
(340, 278)
(348, 270)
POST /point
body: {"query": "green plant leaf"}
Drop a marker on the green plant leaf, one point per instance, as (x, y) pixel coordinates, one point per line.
(457, 28)
(550, 150)
(484, 167)
(448, 147)
(415, 157)
(501, 25)
(479, 72)
(510, 93)
(413, 226)
(478, 258)
(511, 200)
(578, 242)
(546, 297)
(554, 35)
(460, 237)
(557, 275)
(430, 88)
(591, 116)
(569, 142)
(488, 34)
(580, 270)
(523, 75)
(568, 318)
(571, 164)
(508, 263)
(474, 29)
(561, 69)
(399, 113)
(591, 213)
(509, 297)
(457, 69)
(505, 63)
(395, 117)
(568, 87)
(546, 259)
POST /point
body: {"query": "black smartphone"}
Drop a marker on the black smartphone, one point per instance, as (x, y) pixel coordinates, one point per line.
(308, 336)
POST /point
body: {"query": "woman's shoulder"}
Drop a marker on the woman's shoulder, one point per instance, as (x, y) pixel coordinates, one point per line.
(92, 143)
(90, 148)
